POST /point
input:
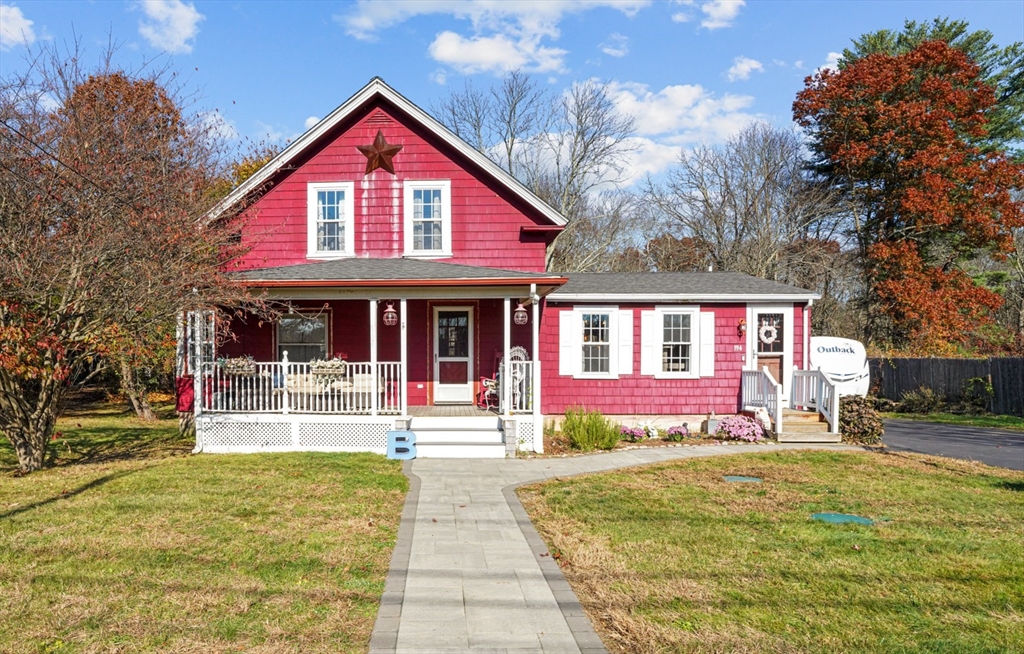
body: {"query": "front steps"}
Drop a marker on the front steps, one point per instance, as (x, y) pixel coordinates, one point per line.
(458, 437)
(805, 427)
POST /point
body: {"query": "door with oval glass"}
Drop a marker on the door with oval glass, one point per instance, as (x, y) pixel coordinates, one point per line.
(771, 342)
(453, 355)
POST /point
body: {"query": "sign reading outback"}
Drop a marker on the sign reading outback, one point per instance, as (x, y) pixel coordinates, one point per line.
(844, 362)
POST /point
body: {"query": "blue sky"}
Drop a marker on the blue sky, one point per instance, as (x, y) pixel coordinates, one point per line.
(690, 70)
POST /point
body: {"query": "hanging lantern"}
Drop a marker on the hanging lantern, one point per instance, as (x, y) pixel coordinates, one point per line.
(520, 315)
(390, 315)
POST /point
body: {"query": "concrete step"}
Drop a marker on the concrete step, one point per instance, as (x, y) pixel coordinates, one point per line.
(460, 450)
(458, 435)
(455, 422)
(808, 437)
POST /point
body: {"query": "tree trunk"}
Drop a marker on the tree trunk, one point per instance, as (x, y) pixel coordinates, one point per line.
(28, 412)
(136, 392)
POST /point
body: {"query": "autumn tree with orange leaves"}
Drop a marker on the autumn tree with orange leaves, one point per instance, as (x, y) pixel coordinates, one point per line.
(895, 134)
(104, 182)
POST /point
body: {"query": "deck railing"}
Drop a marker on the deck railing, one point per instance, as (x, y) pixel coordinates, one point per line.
(363, 388)
(521, 392)
(761, 390)
(813, 390)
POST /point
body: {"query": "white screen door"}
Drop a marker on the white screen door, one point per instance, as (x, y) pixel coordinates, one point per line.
(453, 355)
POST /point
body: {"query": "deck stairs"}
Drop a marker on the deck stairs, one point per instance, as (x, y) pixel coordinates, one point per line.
(805, 427)
(458, 437)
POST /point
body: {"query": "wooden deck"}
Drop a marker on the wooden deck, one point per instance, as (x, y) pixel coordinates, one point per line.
(450, 411)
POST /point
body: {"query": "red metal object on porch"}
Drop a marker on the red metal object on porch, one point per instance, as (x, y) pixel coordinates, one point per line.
(184, 387)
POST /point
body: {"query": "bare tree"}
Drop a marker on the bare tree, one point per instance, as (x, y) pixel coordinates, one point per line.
(607, 237)
(563, 148)
(101, 239)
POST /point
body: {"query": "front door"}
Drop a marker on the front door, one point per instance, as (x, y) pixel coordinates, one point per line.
(453, 355)
(771, 336)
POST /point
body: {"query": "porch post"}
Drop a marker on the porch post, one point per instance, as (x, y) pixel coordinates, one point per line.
(403, 374)
(506, 386)
(196, 345)
(374, 400)
(538, 427)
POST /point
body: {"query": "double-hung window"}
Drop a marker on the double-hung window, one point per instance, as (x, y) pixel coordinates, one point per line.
(302, 336)
(428, 218)
(329, 210)
(677, 342)
(595, 342)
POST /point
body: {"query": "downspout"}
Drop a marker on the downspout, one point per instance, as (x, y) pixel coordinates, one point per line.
(807, 333)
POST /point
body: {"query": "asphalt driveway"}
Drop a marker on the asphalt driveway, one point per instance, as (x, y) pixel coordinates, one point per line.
(996, 447)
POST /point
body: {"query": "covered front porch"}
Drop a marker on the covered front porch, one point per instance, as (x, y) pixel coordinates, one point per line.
(345, 364)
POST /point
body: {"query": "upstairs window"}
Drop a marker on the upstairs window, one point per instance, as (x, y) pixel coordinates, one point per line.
(428, 222)
(329, 207)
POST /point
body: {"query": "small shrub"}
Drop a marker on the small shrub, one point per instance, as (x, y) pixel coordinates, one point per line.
(740, 428)
(587, 430)
(632, 434)
(858, 420)
(923, 400)
(884, 404)
(977, 396)
(677, 433)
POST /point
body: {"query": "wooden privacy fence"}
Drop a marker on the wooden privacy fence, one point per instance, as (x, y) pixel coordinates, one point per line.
(891, 378)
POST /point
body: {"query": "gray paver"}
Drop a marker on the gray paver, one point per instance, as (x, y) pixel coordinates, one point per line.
(467, 573)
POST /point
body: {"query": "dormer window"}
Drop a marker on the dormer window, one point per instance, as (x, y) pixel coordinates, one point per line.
(428, 218)
(329, 211)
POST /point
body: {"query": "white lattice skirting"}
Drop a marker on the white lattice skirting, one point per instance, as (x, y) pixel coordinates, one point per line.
(243, 433)
(524, 434)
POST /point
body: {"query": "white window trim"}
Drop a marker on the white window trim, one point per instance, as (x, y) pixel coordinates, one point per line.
(613, 342)
(659, 339)
(312, 189)
(446, 217)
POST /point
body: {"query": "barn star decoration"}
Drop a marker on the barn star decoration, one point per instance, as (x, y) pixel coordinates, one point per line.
(379, 154)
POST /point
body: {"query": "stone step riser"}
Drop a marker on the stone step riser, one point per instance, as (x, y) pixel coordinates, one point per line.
(458, 436)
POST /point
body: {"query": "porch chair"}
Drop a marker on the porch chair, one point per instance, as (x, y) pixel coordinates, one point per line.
(490, 388)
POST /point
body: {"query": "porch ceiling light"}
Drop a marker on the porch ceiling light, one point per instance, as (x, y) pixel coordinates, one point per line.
(520, 316)
(390, 315)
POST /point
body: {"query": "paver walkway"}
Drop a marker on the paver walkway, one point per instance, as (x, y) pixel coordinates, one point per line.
(467, 573)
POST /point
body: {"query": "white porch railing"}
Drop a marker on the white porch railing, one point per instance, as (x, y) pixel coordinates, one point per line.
(761, 390)
(521, 374)
(285, 387)
(813, 390)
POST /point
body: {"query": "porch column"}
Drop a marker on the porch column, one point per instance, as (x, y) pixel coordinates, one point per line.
(506, 385)
(403, 372)
(374, 399)
(538, 427)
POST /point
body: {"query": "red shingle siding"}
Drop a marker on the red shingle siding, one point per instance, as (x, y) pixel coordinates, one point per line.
(486, 218)
(641, 394)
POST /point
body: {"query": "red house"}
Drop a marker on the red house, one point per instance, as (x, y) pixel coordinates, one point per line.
(413, 267)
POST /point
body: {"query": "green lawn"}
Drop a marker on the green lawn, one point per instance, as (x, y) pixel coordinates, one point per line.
(131, 544)
(1012, 423)
(671, 558)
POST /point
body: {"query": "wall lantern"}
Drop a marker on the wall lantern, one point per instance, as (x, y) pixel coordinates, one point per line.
(741, 328)
(520, 315)
(390, 315)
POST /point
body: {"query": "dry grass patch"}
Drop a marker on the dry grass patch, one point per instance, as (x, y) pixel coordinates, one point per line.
(130, 544)
(671, 558)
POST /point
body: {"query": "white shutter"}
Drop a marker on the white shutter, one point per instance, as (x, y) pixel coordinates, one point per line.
(649, 343)
(625, 364)
(566, 355)
(707, 344)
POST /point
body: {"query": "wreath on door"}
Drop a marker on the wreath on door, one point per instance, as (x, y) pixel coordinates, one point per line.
(768, 334)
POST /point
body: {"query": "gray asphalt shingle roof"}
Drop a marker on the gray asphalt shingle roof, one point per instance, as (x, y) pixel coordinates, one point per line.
(357, 269)
(674, 283)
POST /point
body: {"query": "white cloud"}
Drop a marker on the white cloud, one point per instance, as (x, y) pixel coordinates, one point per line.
(171, 24)
(268, 132)
(682, 113)
(616, 45)
(312, 120)
(717, 13)
(219, 125)
(742, 67)
(831, 62)
(15, 29)
(439, 76)
(798, 64)
(504, 34)
(720, 13)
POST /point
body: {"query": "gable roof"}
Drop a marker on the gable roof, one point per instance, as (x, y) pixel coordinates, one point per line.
(374, 89)
(675, 287)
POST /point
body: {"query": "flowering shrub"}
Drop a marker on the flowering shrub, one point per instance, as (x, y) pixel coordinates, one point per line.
(677, 433)
(244, 365)
(632, 434)
(740, 428)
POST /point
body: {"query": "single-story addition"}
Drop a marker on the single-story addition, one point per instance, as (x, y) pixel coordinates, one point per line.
(414, 269)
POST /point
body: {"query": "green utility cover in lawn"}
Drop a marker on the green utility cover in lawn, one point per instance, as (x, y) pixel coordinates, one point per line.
(842, 518)
(741, 478)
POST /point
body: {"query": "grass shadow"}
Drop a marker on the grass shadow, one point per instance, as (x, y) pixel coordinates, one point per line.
(95, 483)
